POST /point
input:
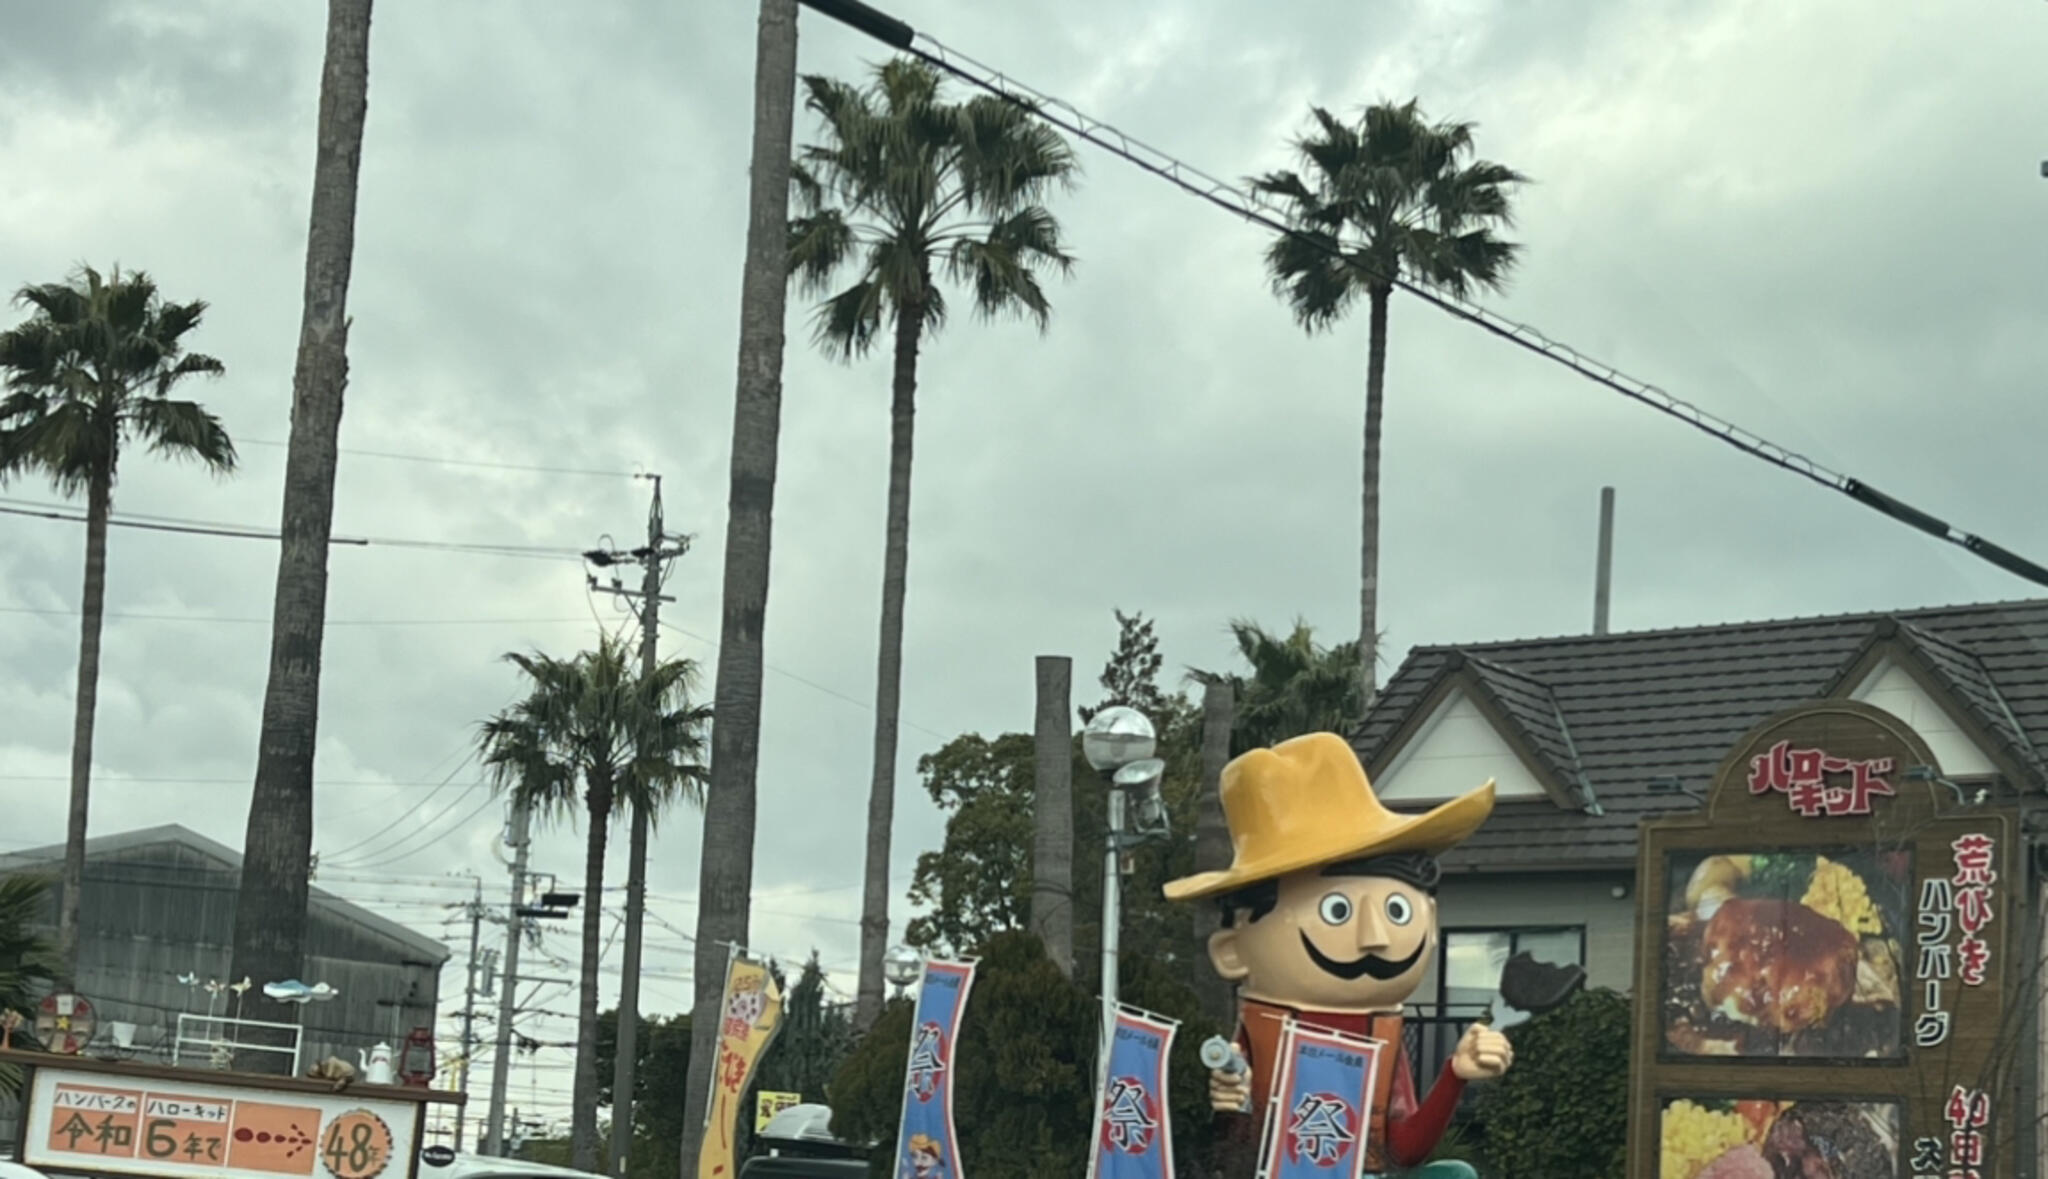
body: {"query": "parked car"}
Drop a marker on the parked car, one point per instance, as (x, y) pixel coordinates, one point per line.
(798, 1144)
(446, 1164)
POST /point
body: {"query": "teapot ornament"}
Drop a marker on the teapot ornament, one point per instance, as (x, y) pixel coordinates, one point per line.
(377, 1065)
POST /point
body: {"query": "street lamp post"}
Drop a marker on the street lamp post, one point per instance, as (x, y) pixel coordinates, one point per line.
(1119, 742)
(901, 966)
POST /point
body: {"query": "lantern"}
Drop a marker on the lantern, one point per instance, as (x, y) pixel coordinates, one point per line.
(416, 1059)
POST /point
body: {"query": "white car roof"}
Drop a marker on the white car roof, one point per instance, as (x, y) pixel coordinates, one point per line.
(479, 1166)
(18, 1171)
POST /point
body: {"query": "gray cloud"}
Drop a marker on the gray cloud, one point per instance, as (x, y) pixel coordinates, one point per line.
(1819, 222)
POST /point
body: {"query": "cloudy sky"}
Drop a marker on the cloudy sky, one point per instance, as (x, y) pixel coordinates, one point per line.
(1823, 221)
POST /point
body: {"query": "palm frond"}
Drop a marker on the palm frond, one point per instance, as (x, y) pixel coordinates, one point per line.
(911, 183)
(848, 322)
(183, 430)
(819, 244)
(596, 718)
(1381, 197)
(97, 359)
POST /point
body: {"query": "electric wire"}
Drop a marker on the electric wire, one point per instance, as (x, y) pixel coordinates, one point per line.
(340, 856)
(454, 462)
(123, 616)
(427, 829)
(853, 700)
(65, 514)
(1269, 215)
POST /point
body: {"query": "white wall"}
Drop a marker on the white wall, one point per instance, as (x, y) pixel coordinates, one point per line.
(1454, 753)
(1893, 688)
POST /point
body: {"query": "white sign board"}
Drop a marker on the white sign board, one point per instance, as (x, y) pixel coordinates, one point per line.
(115, 1125)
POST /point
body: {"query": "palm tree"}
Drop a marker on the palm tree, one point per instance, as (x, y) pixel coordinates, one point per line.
(270, 911)
(1388, 197)
(26, 961)
(88, 374)
(1293, 685)
(725, 876)
(631, 741)
(907, 185)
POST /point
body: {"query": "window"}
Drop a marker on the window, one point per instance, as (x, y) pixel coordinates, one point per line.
(1468, 973)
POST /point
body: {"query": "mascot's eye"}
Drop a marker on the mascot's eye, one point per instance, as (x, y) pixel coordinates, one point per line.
(1400, 910)
(1335, 909)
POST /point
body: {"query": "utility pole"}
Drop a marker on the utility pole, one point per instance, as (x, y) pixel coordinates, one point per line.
(476, 925)
(515, 931)
(660, 548)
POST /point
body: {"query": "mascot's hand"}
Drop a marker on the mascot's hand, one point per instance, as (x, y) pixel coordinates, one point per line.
(1482, 1054)
(1229, 1092)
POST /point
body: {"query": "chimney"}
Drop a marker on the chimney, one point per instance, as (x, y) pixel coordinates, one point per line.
(1603, 573)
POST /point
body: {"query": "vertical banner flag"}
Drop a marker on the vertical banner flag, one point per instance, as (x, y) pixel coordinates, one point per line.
(1320, 1115)
(749, 1017)
(1133, 1125)
(925, 1145)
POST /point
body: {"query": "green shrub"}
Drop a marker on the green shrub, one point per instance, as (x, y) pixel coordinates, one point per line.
(1562, 1111)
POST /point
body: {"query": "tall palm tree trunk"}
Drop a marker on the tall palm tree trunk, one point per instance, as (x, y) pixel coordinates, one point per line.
(1052, 801)
(874, 904)
(1369, 545)
(1212, 842)
(270, 914)
(726, 868)
(98, 505)
(583, 1114)
(624, 1068)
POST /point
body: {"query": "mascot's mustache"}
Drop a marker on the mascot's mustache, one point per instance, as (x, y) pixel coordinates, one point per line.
(1370, 965)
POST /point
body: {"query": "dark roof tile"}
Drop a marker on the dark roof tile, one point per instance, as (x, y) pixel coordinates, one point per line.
(1624, 709)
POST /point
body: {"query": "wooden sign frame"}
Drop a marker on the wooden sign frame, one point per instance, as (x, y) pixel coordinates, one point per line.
(206, 1106)
(1898, 818)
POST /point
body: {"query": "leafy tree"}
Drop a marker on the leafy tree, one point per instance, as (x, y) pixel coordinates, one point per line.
(979, 882)
(1131, 677)
(725, 875)
(595, 719)
(270, 907)
(1387, 197)
(88, 375)
(660, 1076)
(906, 185)
(26, 960)
(1562, 1111)
(1023, 1076)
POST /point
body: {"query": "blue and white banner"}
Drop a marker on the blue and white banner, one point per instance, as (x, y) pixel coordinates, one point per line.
(1320, 1115)
(1133, 1124)
(926, 1147)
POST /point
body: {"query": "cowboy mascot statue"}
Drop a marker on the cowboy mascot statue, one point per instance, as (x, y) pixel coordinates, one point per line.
(1329, 916)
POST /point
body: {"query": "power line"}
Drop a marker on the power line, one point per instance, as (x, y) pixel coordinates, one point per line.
(126, 617)
(402, 815)
(68, 515)
(1266, 214)
(453, 462)
(853, 700)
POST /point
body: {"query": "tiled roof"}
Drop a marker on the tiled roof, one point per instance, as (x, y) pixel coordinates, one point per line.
(1629, 708)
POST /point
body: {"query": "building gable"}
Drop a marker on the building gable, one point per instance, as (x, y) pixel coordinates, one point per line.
(1891, 686)
(1454, 751)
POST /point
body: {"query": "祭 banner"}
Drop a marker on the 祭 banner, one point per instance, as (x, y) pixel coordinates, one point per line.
(1133, 1123)
(1319, 1119)
(925, 1144)
(750, 1016)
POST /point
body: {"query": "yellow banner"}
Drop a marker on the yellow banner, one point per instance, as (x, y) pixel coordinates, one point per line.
(767, 1104)
(748, 1019)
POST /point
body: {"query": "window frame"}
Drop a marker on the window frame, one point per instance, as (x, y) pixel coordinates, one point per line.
(1514, 934)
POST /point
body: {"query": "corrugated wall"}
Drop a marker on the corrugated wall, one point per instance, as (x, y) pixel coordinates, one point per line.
(154, 912)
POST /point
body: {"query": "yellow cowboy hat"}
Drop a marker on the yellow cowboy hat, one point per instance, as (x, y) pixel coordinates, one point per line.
(1307, 802)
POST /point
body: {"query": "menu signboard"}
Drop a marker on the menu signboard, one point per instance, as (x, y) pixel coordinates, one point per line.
(1822, 965)
(93, 1121)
